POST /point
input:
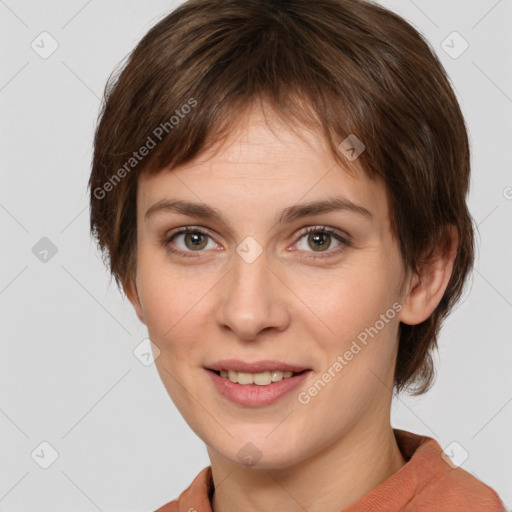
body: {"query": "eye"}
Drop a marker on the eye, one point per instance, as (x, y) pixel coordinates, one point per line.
(193, 239)
(320, 239)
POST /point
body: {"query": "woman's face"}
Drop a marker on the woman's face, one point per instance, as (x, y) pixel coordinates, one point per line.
(250, 284)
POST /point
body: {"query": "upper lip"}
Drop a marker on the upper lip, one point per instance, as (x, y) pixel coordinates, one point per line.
(255, 366)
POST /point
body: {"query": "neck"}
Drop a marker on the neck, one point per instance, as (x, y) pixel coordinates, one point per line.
(331, 480)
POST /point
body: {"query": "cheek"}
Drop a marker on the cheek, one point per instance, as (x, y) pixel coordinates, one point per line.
(358, 359)
(351, 300)
(176, 307)
(359, 307)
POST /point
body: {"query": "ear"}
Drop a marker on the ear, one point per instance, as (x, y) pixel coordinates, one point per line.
(130, 289)
(426, 286)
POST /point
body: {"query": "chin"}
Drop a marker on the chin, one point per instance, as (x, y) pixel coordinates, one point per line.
(260, 453)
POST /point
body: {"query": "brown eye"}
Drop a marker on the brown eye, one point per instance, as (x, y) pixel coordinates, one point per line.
(187, 241)
(319, 240)
(195, 241)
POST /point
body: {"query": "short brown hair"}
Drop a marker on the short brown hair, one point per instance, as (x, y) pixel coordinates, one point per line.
(347, 67)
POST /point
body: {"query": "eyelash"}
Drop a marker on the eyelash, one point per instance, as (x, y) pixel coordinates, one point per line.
(345, 241)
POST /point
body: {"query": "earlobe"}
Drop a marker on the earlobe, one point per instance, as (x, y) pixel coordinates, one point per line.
(427, 285)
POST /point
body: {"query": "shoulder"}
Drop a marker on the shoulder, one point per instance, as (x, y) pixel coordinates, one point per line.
(458, 490)
(436, 484)
(195, 497)
(172, 506)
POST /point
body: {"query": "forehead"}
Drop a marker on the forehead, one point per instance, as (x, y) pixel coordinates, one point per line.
(264, 163)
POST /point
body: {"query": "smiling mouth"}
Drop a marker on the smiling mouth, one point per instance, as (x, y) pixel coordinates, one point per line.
(258, 379)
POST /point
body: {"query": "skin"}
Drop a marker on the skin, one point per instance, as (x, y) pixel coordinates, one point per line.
(320, 456)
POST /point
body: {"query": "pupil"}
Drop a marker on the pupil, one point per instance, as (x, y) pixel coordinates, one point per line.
(317, 237)
(196, 240)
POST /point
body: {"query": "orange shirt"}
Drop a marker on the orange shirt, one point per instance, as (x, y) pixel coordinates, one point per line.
(426, 483)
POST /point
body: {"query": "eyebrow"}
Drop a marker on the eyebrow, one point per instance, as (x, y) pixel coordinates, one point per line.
(286, 215)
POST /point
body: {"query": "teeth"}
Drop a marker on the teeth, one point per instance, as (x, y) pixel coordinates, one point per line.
(260, 379)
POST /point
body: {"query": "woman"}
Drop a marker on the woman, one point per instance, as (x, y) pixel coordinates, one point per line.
(280, 189)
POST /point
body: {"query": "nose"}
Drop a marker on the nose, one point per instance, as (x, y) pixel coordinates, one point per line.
(253, 298)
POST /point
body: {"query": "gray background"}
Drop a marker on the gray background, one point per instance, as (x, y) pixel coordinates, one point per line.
(68, 375)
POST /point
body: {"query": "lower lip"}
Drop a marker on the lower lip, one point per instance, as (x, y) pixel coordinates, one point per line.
(254, 395)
